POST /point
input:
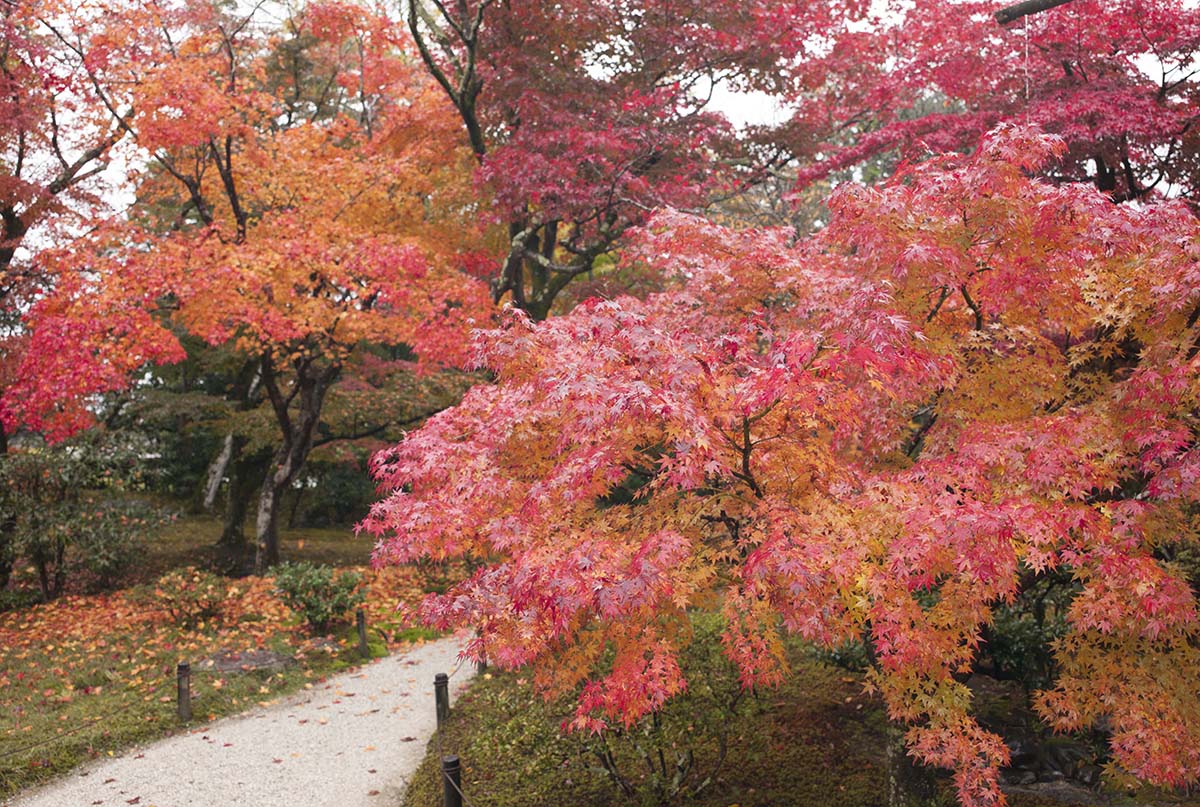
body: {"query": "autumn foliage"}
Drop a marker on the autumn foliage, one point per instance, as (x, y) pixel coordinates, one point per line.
(977, 373)
(887, 430)
(1116, 80)
(293, 208)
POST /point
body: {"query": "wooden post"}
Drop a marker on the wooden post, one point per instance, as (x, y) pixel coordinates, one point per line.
(360, 620)
(183, 681)
(451, 782)
(441, 697)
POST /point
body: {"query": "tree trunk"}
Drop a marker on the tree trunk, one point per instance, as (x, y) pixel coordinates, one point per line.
(266, 525)
(295, 511)
(8, 526)
(298, 431)
(1024, 9)
(216, 471)
(8, 529)
(289, 461)
(51, 571)
(233, 551)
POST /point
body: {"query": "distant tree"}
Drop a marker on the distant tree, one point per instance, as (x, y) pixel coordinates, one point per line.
(1116, 80)
(296, 209)
(586, 116)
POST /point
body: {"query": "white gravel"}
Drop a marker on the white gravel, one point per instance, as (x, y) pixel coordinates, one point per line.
(352, 741)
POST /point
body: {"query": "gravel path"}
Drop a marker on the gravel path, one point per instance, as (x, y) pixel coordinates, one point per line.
(352, 741)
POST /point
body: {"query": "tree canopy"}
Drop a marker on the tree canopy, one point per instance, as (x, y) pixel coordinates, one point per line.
(978, 371)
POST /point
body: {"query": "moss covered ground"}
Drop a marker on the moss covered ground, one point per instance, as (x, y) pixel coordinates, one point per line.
(817, 741)
(87, 675)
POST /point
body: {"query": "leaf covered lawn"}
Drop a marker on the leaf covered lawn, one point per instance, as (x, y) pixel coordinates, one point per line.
(85, 676)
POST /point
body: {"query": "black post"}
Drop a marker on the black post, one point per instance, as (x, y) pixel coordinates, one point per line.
(441, 696)
(183, 681)
(451, 782)
(360, 619)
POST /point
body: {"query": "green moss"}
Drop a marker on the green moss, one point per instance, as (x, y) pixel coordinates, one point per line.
(816, 741)
(122, 692)
(98, 725)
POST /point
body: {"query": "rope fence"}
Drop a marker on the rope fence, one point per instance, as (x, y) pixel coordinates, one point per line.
(449, 764)
(183, 698)
(88, 723)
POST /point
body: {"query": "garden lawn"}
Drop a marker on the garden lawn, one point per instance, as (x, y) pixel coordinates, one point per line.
(85, 676)
(816, 741)
(190, 541)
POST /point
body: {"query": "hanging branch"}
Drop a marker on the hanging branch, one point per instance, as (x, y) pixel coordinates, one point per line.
(1018, 10)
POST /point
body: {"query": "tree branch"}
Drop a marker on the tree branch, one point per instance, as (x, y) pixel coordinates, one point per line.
(1023, 9)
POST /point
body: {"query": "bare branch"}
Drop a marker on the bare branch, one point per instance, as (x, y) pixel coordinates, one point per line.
(1025, 8)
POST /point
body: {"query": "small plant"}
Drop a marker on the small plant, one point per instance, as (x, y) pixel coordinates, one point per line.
(315, 592)
(107, 538)
(188, 595)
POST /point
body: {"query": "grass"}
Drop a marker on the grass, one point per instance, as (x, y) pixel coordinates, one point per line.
(88, 675)
(189, 541)
(817, 741)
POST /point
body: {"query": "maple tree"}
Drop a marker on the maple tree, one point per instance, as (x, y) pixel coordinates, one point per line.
(582, 128)
(58, 133)
(969, 378)
(287, 213)
(1117, 81)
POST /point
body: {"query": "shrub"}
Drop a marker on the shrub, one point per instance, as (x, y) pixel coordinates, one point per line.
(107, 538)
(15, 600)
(189, 595)
(58, 513)
(316, 593)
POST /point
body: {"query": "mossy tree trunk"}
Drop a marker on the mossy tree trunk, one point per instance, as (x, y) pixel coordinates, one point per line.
(245, 472)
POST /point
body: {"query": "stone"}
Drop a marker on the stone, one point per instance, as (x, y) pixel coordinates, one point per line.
(241, 661)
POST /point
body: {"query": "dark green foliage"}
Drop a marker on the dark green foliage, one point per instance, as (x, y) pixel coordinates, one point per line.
(61, 514)
(317, 593)
(339, 493)
(12, 600)
(680, 751)
(1020, 641)
(107, 536)
(852, 655)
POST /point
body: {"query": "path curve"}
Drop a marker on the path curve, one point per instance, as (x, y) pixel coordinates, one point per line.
(352, 741)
